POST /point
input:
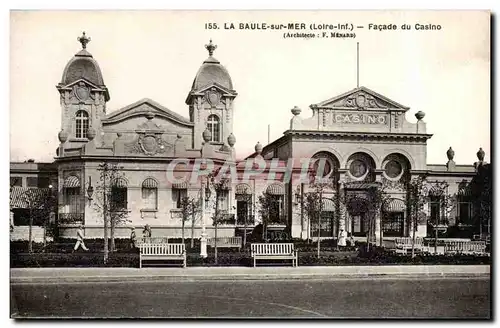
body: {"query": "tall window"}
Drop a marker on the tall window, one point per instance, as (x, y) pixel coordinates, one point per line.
(464, 207)
(223, 200)
(150, 194)
(72, 199)
(177, 196)
(82, 124)
(119, 198)
(213, 125)
(435, 209)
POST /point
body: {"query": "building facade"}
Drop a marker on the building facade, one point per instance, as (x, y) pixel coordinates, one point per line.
(362, 137)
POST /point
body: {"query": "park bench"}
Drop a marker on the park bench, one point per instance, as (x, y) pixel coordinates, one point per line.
(225, 242)
(162, 251)
(274, 251)
(465, 247)
(403, 244)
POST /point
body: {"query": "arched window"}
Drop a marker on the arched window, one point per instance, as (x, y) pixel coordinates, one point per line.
(150, 194)
(213, 125)
(82, 124)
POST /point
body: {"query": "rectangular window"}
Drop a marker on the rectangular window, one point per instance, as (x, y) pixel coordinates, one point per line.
(326, 224)
(223, 200)
(32, 182)
(464, 209)
(150, 198)
(435, 210)
(393, 224)
(177, 196)
(16, 181)
(72, 200)
(118, 199)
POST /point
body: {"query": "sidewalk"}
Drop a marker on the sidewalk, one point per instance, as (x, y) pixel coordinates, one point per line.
(243, 273)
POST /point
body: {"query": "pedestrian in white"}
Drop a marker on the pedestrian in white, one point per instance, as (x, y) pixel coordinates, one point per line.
(342, 240)
(79, 239)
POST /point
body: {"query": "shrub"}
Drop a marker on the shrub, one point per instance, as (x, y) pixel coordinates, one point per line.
(73, 260)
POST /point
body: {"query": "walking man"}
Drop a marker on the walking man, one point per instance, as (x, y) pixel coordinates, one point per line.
(79, 239)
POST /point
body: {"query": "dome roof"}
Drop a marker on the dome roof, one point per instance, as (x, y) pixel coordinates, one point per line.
(212, 72)
(82, 65)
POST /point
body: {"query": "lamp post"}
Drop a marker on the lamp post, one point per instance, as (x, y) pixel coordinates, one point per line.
(205, 195)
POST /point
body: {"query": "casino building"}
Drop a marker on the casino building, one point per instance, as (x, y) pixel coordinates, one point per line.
(363, 137)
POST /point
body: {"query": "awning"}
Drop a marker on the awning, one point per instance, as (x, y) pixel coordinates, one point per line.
(72, 182)
(243, 189)
(328, 205)
(275, 189)
(19, 196)
(464, 192)
(150, 183)
(119, 183)
(180, 185)
(394, 205)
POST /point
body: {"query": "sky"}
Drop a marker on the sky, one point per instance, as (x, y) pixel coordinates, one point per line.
(156, 54)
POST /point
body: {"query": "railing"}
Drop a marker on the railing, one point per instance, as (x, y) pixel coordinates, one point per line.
(152, 240)
(225, 242)
(71, 218)
(465, 247)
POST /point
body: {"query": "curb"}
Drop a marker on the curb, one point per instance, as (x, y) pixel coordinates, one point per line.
(236, 277)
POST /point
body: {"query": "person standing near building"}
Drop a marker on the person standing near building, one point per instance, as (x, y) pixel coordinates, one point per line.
(79, 239)
(147, 231)
(342, 240)
(133, 238)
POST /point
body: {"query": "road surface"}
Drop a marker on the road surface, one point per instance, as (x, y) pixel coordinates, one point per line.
(311, 298)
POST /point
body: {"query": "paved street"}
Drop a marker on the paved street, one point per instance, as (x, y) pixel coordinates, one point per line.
(316, 298)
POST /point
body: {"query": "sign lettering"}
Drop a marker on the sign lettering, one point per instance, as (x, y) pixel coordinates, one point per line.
(360, 119)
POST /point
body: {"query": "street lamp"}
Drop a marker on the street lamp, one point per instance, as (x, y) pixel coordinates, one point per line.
(90, 190)
(206, 193)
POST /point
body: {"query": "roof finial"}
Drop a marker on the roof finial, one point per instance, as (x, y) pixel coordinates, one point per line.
(210, 47)
(84, 40)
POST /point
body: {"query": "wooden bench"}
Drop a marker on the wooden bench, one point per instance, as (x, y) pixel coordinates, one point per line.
(162, 251)
(274, 252)
(465, 247)
(225, 242)
(403, 244)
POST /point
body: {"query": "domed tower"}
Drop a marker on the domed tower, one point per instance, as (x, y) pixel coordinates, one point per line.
(210, 101)
(83, 97)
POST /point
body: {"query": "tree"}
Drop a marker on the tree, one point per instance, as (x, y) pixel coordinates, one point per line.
(246, 219)
(110, 202)
(416, 195)
(313, 205)
(269, 210)
(439, 190)
(377, 197)
(481, 193)
(190, 208)
(221, 186)
(40, 202)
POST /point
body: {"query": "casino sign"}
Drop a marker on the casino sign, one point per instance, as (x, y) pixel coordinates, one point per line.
(359, 118)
